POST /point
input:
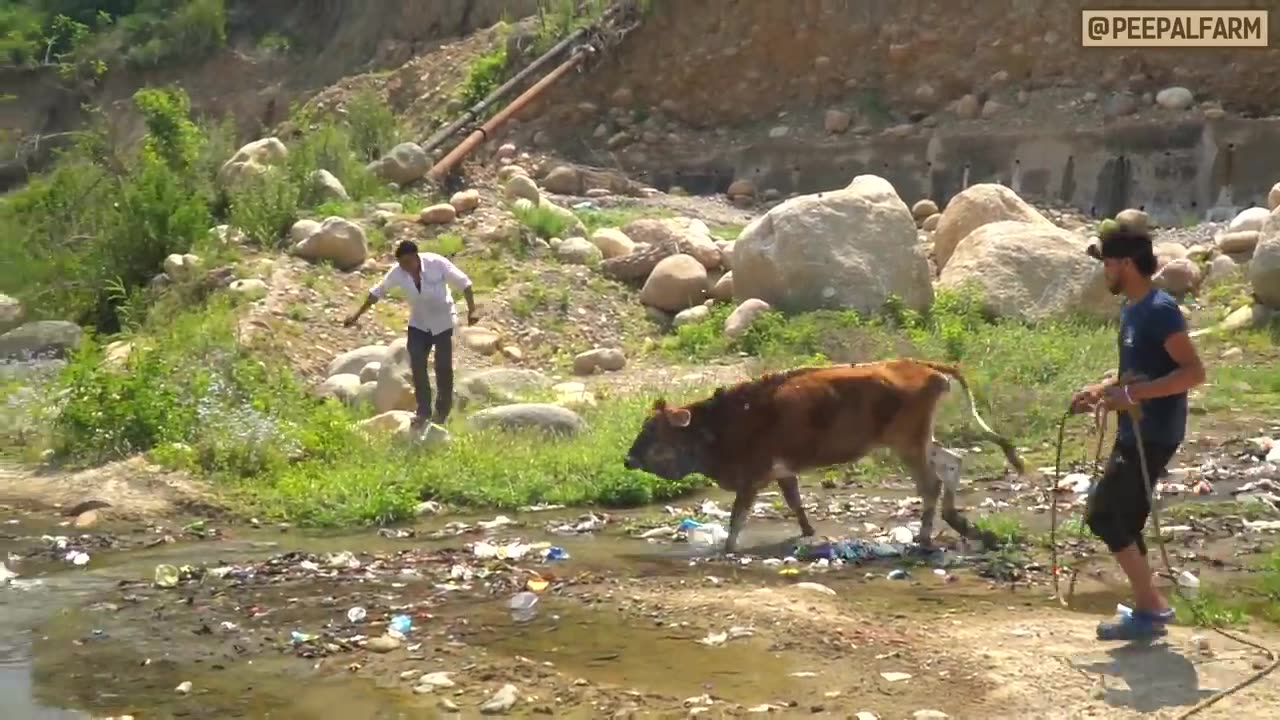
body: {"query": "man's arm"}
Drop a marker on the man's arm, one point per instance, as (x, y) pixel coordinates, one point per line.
(1169, 324)
(375, 294)
(459, 280)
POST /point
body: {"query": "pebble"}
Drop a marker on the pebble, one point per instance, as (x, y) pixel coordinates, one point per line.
(183, 688)
(382, 644)
(501, 702)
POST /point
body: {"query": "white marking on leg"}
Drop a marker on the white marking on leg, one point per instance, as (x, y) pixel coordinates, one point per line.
(780, 470)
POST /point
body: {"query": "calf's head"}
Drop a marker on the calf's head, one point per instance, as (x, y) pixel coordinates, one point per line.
(669, 445)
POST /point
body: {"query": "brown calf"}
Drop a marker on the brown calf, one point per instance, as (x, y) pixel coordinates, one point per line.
(782, 424)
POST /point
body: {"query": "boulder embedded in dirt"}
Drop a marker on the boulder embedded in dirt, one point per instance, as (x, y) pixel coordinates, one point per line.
(438, 214)
(692, 237)
(602, 359)
(251, 160)
(1178, 276)
(343, 387)
(405, 163)
(691, 316)
(578, 251)
(1248, 219)
(563, 180)
(399, 425)
(395, 380)
(464, 201)
(302, 230)
(974, 207)
(502, 384)
(338, 241)
(1242, 242)
(11, 313)
(723, 289)
(328, 186)
(480, 340)
(930, 223)
(353, 361)
(851, 248)
(522, 186)
(40, 337)
(726, 253)
(1167, 252)
(612, 242)
(1264, 268)
(742, 316)
(1222, 269)
(1030, 270)
(923, 209)
(677, 282)
(545, 417)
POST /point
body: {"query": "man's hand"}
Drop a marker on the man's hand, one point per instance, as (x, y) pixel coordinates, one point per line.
(473, 316)
(1116, 398)
(1086, 399)
(350, 320)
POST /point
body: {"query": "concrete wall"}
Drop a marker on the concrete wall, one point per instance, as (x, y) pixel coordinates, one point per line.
(1173, 171)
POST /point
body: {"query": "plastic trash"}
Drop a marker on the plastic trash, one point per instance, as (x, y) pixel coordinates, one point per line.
(898, 574)
(556, 553)
(356, 614)
(523, 606)
(401, 624)
(166, 576)
(78, 558)
(1189, 583)
(705, 536)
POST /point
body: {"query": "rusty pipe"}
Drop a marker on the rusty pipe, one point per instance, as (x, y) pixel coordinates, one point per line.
(482, 133)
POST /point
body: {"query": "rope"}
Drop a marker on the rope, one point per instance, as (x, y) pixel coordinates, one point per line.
(1135, 416)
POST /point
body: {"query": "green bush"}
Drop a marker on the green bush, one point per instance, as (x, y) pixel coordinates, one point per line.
(171, 32)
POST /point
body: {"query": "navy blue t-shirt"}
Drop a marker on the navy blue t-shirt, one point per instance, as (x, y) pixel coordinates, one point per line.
(1145, 325)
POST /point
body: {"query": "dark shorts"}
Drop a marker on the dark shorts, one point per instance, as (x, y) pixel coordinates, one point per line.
(1119, 504)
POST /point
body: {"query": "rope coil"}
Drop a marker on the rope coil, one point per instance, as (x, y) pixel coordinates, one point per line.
(1100, 417)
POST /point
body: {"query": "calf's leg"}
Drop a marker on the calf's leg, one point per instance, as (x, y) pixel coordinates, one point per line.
(928, 487)
(790, 487)
(742, 502)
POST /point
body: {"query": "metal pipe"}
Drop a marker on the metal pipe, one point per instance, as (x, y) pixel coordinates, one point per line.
(442, 168)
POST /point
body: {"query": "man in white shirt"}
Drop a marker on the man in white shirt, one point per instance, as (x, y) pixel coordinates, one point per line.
(425, 279)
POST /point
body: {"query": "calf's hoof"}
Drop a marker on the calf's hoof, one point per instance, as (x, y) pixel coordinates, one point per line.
(807, 531)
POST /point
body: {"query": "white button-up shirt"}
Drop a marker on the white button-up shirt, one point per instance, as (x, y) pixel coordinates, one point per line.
(430, 309)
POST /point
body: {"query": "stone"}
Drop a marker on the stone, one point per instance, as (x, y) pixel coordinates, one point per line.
(602, 359)
(440, 214)
(1222, 269)
(503, 700)
(742, 187)
(930, 223)
(1134, 218)
(974, 207)
(406, 163)
(302, 230)
(328, 186)
(726, 253)
(501, 384)
(677, 282)
(1273, 197)
(544, 417)
(1249, 316)
(1178, 276)
(573, 395)
(480, 340)
(723, 289)
(249, 288)
(1167, 252)
(1264, 267)
(506, 150)
(40, 337)
(923, 209)
(967, 107)
(465, 201)
(181, 267)
(395, 380)
(1030, 271)
(1175, 98)
(839, 250)
(338, 241)
(1248, 219)
(251, 160)
(578, 251)
(369, 374)
(836, 122)
(522, 186)
(690, 316)
(612, 242)
(743, 316)
(344, 387)
(563, 180)
(692, 237)
(1119, 104)
(353, 361)
(382, 644)
(226, 235)
(1237, 243)
(991, 109)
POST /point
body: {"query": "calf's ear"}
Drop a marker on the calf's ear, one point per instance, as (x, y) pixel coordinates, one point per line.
(680, 417)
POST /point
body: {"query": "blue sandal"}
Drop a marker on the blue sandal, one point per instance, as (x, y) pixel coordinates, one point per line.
(1136, 625)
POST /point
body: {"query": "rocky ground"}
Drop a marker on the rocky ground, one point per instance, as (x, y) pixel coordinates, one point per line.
(168, 612)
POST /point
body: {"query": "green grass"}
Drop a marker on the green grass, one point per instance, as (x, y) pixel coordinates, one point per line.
(618, 216)
(545, 222)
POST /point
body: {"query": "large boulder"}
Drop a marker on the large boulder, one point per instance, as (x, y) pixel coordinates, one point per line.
(677, 282)
(612, 242)
(352, 362)
(974, 207)
(252, 160)
(395, 380)
(1264, 268)
(692, 237)
(851, 248)
(502, 384)
(338, 241)
(404, 164)
(1249, 219)
(344, 387)
(41, 337)
(1030, 270)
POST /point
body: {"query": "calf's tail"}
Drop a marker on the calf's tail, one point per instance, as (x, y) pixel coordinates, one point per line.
(1010, 453)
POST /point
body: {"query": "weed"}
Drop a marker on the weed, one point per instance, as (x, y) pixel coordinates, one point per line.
(545, 222)
(484, 75)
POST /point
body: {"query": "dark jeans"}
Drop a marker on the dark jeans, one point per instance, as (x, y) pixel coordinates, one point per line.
(1119, 504)
(419, 347)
